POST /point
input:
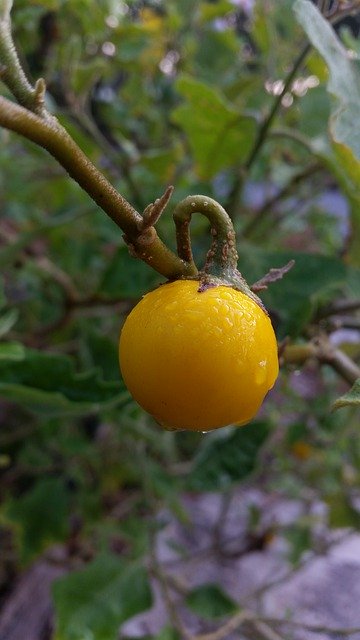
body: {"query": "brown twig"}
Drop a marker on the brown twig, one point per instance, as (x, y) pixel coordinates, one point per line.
(322, 350)
(339, 307)
(272, 276)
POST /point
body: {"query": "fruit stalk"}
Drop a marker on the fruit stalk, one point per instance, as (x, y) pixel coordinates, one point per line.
(222, 258)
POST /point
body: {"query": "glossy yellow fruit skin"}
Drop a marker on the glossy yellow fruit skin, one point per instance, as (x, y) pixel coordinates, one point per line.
(198, 361)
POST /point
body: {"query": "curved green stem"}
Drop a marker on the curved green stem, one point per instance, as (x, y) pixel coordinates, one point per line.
(48, 133)
(222, 256)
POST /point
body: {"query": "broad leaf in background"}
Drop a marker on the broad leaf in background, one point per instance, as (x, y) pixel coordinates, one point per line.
(349, 399)
(341, 513)
(219, 136)
(48, 383)
(209, 601)
(42, 515)
(344, 75)
(227, 458)
(94, 602)
(11, 351)
(312, 281)
(7, 321)
(126, 277)
(344, 85)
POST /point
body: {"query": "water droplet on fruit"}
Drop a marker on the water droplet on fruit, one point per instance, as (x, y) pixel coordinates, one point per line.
(260, 375)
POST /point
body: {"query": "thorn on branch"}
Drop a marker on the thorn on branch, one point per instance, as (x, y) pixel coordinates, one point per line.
(5, 9)
(39, 93)
(154, 210)
(272, 276)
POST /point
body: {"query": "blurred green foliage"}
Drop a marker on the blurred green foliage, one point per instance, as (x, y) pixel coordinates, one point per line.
(155, 93)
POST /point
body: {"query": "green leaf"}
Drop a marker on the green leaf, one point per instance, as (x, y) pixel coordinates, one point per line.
(219, 136)
(126, 277)
(7, 321)
(341, 513)
(209, 601)
(102, 353)
(344, 84)
(94, 602)
(340, 161)
(344, 74)
(300, 539)
(349, 399)
(42, 515)
(161, 163)
(11, 351)
(313, 280)
(2, 294)
(48, 383)
(227, 458)
(212, 11)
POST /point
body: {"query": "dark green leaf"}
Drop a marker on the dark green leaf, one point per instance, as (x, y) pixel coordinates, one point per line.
(42, 515)
(218, 134)
(227, 458)
(344, 80)
(217, 10)
(312, 280)
(48, 383)
(209, 601)
(7, 321)
(2, 294)
(102, 353)
(344, 84)
(349, 399)
(126, 277)
(94, 602)
(11, 351)
(341, 513)
(300, 539)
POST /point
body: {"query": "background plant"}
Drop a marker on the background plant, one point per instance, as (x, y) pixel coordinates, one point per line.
(212, 100)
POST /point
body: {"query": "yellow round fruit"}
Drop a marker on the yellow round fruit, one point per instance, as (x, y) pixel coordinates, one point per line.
(198, 361)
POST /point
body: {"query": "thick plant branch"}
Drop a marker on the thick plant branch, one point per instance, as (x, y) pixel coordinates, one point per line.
(11, 71)
(320, 349)
(31, 119)
(48, 133)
